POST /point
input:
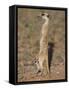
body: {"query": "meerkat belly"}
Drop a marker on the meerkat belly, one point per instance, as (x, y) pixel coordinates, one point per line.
(44, 43)
(43, 48)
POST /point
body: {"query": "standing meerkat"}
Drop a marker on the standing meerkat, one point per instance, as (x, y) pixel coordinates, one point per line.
(43, 52)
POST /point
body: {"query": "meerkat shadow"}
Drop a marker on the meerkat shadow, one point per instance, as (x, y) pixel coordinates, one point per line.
(50, 53)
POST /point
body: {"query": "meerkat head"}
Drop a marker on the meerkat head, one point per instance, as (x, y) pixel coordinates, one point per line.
(45, 16)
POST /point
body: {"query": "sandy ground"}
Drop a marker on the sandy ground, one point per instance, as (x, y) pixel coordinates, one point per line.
(29, 32)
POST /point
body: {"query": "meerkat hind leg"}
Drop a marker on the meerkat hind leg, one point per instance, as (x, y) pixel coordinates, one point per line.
(46, 67)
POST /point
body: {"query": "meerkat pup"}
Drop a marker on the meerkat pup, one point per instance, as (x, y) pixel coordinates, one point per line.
(43, 52)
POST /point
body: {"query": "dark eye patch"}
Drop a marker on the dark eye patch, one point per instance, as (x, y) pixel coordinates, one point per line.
(42, 14)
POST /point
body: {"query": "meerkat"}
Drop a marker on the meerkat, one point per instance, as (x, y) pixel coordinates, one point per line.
(43, 52)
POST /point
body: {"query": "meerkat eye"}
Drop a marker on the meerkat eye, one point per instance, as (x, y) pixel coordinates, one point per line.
(42, 14)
